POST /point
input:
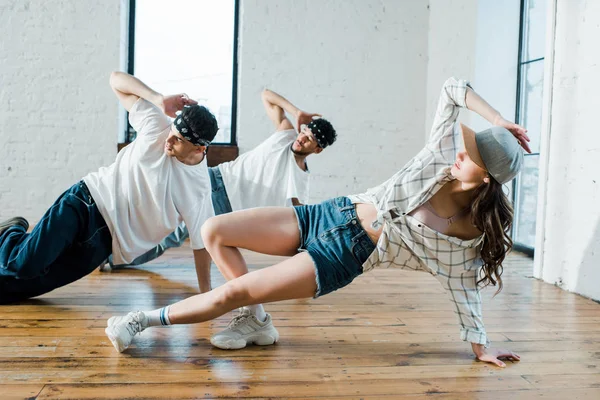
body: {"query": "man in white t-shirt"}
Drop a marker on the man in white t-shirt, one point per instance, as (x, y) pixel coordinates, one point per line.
(274, 173)
(156, 183)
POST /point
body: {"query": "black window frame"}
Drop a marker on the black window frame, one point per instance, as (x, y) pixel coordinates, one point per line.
(129, 132)
(520, 65)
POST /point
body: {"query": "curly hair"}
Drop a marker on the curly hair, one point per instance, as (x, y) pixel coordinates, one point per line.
(201, 120)
(327, 134)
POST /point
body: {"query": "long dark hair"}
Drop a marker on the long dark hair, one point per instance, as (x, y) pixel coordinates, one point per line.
(492, 213)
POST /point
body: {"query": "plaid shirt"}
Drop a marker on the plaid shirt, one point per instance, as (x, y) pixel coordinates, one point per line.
(407, 243)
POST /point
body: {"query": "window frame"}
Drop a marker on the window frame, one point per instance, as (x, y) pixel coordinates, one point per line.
(521, 63)
(233, 140)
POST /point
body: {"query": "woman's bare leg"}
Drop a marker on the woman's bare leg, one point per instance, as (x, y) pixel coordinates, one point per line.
(269, 230)
(272, 230)
(291, 279)
(202, 262)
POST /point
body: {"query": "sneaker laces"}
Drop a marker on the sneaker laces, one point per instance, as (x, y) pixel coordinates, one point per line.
(239, 319)
(134, 326)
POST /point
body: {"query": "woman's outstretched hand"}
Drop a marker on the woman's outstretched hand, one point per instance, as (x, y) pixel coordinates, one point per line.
(494, 356)
(517, 130)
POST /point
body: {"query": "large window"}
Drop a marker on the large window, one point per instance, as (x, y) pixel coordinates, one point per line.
(188, 46)
(529, 114)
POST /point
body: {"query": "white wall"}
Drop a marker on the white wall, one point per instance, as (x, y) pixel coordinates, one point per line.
(374, 68)
(496, 56)
(58, 117)
(476, 40)
(571, 228)
(451, 50)
(362, 64)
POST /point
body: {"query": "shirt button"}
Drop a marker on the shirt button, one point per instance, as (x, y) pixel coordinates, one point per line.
(353, 222)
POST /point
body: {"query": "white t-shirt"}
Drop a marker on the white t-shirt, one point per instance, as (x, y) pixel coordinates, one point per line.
(145, 194)
(267, 175)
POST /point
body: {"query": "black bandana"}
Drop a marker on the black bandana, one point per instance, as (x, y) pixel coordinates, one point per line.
(318, 134)
(184, 129)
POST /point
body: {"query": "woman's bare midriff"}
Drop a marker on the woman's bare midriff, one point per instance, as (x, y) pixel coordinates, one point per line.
(367, 213)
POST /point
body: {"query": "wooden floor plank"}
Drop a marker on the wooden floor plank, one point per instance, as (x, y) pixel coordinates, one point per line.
(227, 372)
(391, 334)
(276, 390)
(22, 391)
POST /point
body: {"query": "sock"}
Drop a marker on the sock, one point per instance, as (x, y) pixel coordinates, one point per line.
(158, 317)
(259, 311)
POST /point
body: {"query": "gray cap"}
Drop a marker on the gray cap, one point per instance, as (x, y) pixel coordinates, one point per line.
(496, 150)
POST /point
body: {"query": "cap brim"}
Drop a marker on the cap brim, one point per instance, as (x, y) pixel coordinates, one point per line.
(468, 135)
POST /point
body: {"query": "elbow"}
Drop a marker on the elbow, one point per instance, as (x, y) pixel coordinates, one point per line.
(114, 77)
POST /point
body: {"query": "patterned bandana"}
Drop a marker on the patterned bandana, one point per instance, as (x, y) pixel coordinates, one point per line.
(320, 137)
(184, 129)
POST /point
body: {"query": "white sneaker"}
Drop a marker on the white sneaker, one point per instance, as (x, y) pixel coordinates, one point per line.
(246, 329)
(114, 319)
(121, 330)
(105, 266)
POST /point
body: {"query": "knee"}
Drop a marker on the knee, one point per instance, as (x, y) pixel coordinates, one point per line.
(211, 232)
(233, 295)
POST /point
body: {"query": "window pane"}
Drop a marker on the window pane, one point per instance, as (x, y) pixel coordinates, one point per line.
(530, 116)
(534, 30)
(187, 46)
(526, 207)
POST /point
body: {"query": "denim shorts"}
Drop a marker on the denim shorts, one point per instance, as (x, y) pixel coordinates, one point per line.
(333, 236)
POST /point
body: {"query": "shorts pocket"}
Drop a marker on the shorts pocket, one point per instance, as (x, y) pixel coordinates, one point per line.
(333, 234)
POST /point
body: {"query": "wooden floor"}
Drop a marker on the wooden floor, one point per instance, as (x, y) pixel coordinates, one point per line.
(391, 334)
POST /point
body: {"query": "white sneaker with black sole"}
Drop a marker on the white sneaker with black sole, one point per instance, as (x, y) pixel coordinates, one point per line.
(246, 329)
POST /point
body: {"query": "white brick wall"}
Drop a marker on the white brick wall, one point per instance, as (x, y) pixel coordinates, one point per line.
(451, 48)
(496, 56)
(58, 116)
(572, 225)
(363, 64)
(476, 40)
(374, 68)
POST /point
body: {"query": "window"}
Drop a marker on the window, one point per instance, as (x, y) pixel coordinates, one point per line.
(530, 84)
(188, 46)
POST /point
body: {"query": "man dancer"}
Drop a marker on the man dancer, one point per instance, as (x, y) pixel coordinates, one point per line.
(158, 181)
(274, 173)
